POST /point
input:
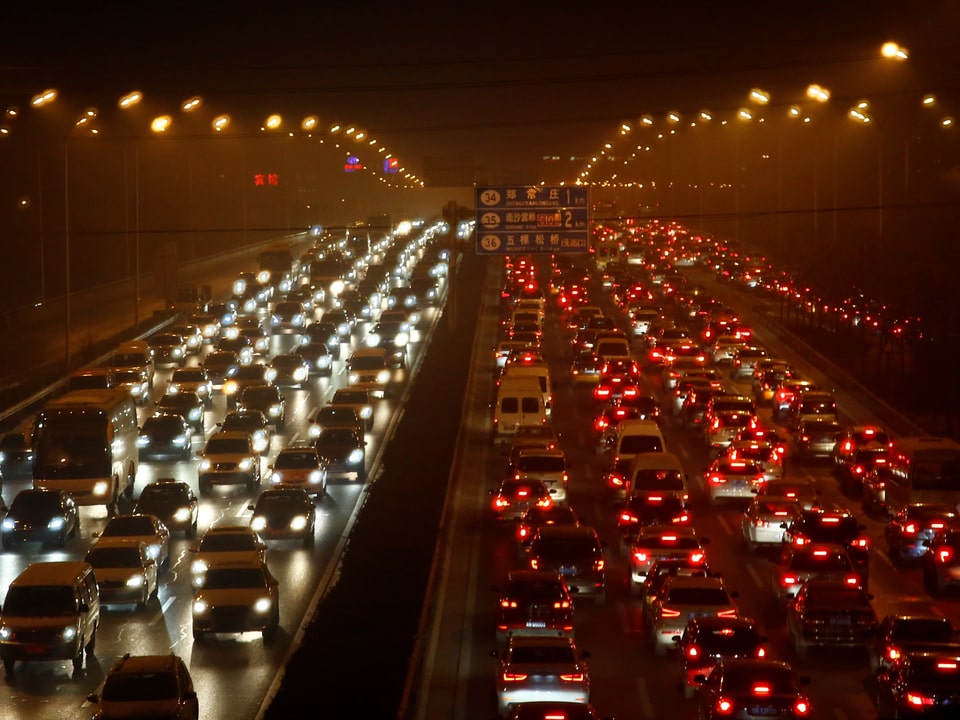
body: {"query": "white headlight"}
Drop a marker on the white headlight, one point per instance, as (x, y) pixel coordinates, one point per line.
(258, 523)
(298, 523)
(101, 488)
(315, 477)
(383, 377)
(401, 340)
(366, 411)
(135, 581)
(56, 523)
(204, 464)
(373, 339)
(69, 632)
(262, 605)
(246, 464)
(353, 378)
(199, 567)
(181, 515)
(314, 431)
(200, 606)
(356, 455)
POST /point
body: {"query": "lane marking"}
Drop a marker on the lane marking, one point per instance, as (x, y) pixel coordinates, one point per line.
(754, 575)
(724, 524)
(163, 610)
(643, 698)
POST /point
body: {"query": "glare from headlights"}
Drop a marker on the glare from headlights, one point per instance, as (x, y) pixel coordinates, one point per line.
(298, 523)
(135, 581)
(200, 606)
(199, 567)
(262, 605)
(258, 523)
(182, 515)
(101, 488)
(383, 377)
(366, 411)
(56, 523)
(356, 455)
(204, 464)
(69, 632)
(401, 339)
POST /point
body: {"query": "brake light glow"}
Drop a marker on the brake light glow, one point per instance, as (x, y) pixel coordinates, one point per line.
(725, 706)
(918, 700)
(693, 651)
(628, 518)
(727, 613)
(946, 666)
(561, 605)
(669, 613)
(500, 502)
(507, 603)
(893, 653)
(861, 542)
(697, 557)
(788, 580)
(852, 580)
(801, 707)
(514, 677)
(572, 677)
(616, 480)
(944, 554)
(761, 689)
(640, 557)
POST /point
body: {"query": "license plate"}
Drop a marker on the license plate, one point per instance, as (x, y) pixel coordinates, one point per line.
(568, 571)
(536, 623)
(843, 621)
(763, 710)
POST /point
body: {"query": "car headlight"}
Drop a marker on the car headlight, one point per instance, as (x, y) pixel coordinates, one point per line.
(298, 523)
(336, 287)
(231, 333)
(356, 456)
(204, 464)
(314, 431)
(143, 441)
(102, 487)
(181, 515)
(383, 377)
(5, 633)
(366, 412)
(343, 328)
(353, 378)
(333, 341)
(250, 305)
(373, 339)
(323, 361)
(230, 387)
(56, 523)
(401, 340)
(69, 633)
(177, 352)
(196, 414)
(153, 550)
(274, 319)
(276, 477)
(200, 606)
(173, 389)
(262, 605)
(246, 464)
(135, 581)
(298, 319)
(315, 477)
(274, 411)
(9, 524)
(198, 567)
(258, 523)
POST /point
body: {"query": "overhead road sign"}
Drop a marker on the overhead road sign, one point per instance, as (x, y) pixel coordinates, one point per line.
(532, 219)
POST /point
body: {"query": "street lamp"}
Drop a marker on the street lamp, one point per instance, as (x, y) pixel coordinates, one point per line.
(893, 51)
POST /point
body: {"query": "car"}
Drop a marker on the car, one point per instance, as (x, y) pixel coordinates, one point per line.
(816, 438)
(706, 641)
(745, 360)
(343, 449)
(48, 516)
(941, 561)
(341, 321)
(318, 358)
(224, 312)
(227, 543)
(649, 509)
(141, 686)
(191, 379)
(803, 491)
(753, 687)
(858, 465)
(832, 524)
(236, 597)
(547, 464)
(251, 329)
(535, 517)
(730, 478)
(660, 541)
(126, 573)
(810, 404)
(359, 399)
(192, 335)
(300, 466)
(909, 531)
(186, 404)
(136, 381)
(664, 569)
(165, 436)
(285, 513)
(534, 603)
(585, 367)
(337, 416)
(229, 458)
(246, 376)
(900, 634)
(168, 349)
(290, 370)
(326, 333)
(209, 325)
(140, 527)
(799, 563)
(762, 523)
(368, 368)
(541, 668)
(920, 684)
(853, 437)
(684, 597)
(288, 317)
(766, 454)
(720, 427)
(393, 337)
(267, 399)
(873, 489)
(768, 374)
(173, 502)
(830, 613)
(220, 366)
(16, 456)
(786, 393)
(514, 496)
(576, 552)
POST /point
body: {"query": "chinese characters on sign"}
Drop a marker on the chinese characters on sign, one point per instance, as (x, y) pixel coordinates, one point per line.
(266, 179)
(532, 219)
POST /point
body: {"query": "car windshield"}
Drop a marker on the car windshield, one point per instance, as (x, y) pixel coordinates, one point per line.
(350, 397)
(228, 578)
(296, 460)
(543, 655)
(541, 464)
(163, 492)
(35, 502)
(128, 376)
(367, 362)
(259, 395)
(228, 542)
(188, 375)
(340, 414)
(227, 446)
(636, 444)
(274, 500)
(919, 630)
(535, 591)
(566, 549)
(114, 557)
(250, 372)
(220, 360)
(244, 422)
(139, 687)
(166, 339)
(40, 601)
(124, 525)
(337, 436)
(658, 480)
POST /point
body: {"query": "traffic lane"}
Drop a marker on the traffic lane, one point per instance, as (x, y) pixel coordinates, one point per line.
(169, 627)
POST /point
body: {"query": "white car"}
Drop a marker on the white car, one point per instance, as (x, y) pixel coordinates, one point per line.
(229, 458)
(191, 379)
(368, 369)
(126, 573)
(682, 598)
(357, 398)
(764, 520)
(236, 597)
(227, 544)
(533, 669)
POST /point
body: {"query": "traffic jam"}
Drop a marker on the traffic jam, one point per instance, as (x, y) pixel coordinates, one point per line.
(659, 468)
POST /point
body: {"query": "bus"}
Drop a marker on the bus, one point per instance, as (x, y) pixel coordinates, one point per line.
(922, 469)
(85, 442)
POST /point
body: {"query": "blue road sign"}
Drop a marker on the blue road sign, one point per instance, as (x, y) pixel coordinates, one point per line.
(532, 219)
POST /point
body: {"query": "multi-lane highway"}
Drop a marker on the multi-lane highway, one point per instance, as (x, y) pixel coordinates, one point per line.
(628, 680)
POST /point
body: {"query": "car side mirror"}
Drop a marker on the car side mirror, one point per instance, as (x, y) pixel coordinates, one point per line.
(250, 506)
(676, 639)
(93, 698)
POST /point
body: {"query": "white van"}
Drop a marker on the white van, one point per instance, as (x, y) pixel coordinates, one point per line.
(134, 354)
(540, 371)
(656, 474)
(51, 612)
(519, 402)
(612, 347)
(636, 436)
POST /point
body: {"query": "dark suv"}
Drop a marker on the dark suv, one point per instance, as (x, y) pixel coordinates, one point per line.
(576, 553)
(140, 686)
(832, 525)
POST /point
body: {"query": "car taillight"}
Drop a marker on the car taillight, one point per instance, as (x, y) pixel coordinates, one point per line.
(910, 529)
(499, 503)
(601, 424)
(788, 580)
(514, 677)
(681, 519)
(801, 707)
(544, 502)
(937, 525)
(944, 554)
(561, 605)
(761, 652)
(601, 393)
(717, 479)
(693, 651)
(697, 557)
(727, 613)
(598, 565)
(801, 540)
(893, 653)
(506, 603)
(631, 391)
(715, 425)
(852, 580)
(725, 706)
(669, 613)
(627, 518)
(572, 677)
(918, 700)
(858, 470)
(760, 689)
(640, 557)
(848, 446)
(534, 564)
(523, 532)
(861, 542)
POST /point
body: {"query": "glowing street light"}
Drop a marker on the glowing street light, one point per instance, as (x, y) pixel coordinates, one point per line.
(893, 51)
(191, 104)
(929, 100)
(818, 93)
(310, 123)
(130, 99)
(161, 123)
(761, 97)
(273, 122)
(44, 98)
(220, 123)
(744, 114)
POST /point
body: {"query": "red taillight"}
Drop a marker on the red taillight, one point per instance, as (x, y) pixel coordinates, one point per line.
(506, 603)
(640, 557)
(893, 653)
(669, 613)
(727, 613)
(627, 518)
(801, 707)
(616, 480)
(760, 689)
(918, 700)
(697, 557)
(852, 580)
(788, 580)
(544, 503)
(514, 677)
(848, 446)
(861, 542)
(801, 540)
(500, 502)
(561, 605)
(944, 554)
(910, 529)
(631, 391)
(572, 677)
(598, 565)
(601, 393)
(717, 479)
(725, 706)
(693, 651)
